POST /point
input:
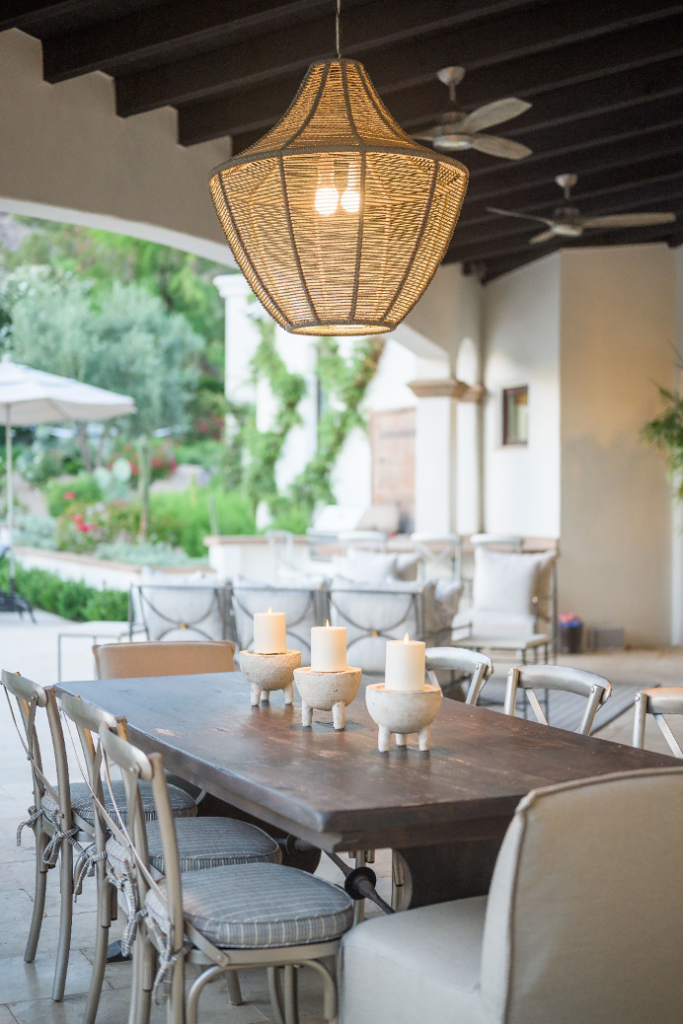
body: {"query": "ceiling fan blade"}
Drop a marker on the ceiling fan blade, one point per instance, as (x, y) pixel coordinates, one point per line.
(494, 113)
(520, 216)
(429, 133)
(544, 236)
(628, 220)
(494, 145)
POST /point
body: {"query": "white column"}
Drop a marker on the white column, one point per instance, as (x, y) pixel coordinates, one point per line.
(435, 464)
(241, 336)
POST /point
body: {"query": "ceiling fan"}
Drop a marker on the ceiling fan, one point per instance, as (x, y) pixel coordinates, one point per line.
(457, 130)
(567, 222)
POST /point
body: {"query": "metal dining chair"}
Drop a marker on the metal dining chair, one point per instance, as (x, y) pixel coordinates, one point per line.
(461, 660)
(202, 842)
(221, 919)
(58, 816)
(658, 701)
(594, 688)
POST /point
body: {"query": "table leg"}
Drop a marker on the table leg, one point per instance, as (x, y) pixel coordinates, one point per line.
(450, 871)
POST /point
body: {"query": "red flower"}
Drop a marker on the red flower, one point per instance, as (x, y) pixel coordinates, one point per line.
(78, 518)
(83, 527)
(69, 495)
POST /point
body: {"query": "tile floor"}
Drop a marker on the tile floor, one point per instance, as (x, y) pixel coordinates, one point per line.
(25, 988)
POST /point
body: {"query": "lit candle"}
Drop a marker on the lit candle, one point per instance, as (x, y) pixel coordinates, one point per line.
(270, 632)
(405, 665)
(328, 648)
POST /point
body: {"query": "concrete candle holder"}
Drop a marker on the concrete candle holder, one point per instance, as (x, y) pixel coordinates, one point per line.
(402, 712)
(266, 672)
(326, 691)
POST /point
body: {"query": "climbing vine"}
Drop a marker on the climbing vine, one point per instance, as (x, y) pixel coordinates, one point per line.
(265, 446)
(344, 383)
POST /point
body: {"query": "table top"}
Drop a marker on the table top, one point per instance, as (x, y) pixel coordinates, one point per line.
(335, 789)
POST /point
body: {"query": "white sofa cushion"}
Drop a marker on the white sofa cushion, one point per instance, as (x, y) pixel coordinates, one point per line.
(362, 566)
(508, 581)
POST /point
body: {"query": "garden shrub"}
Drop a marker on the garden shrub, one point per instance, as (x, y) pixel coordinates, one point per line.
(71, 599)
(63, 492)
(184, 518)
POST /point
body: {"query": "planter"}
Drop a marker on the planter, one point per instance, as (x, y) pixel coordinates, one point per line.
(402, 712)
(267, 672)
(326, 691)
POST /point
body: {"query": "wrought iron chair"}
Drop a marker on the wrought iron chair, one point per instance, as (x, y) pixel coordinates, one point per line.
(658, 702)
(222, 919)
(204, 611)
(202, 842)
(58, 817)
(462, 661)
(304, 606)
(443, 551)
(528, 678)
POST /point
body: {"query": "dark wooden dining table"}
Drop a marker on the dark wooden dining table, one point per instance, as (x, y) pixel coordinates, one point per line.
(445, 810)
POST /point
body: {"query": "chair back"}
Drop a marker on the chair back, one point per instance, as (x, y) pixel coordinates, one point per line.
(134, 766)
(658, 701)
(29, 697)
(441, 551)
(171, 611)
(163, 658)
(594, 688)
(510, 542)
(88, 719)
(304, 607)
(459, 659)
(583, 916)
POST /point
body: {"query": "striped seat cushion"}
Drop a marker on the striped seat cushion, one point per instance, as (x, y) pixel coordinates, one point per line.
(204, 843)
(259, 906)
(182, 804)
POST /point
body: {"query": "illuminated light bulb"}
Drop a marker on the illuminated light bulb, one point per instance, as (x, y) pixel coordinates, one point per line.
(350, 199)
(326, 194)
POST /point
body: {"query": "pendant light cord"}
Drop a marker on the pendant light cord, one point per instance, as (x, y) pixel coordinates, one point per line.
(337, 27)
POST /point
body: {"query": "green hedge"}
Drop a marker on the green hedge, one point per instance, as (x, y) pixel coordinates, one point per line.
(71, 599)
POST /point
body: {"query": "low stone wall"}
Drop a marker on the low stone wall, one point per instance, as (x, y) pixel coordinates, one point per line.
(94, 572)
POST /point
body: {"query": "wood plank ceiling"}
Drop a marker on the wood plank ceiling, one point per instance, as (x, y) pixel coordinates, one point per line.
(605, 80)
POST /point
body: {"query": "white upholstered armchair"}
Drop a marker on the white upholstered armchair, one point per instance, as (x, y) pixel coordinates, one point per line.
(582, 923)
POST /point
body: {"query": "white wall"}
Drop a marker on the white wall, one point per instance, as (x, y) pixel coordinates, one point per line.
(522, 343)
(67, 156)
(618, 333)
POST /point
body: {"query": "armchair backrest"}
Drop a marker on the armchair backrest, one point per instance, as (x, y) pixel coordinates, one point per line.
(304, 607)
(584, 911)
(202, 611)
(163, 658)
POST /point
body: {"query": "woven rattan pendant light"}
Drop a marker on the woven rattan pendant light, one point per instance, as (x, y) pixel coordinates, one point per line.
(336, 217)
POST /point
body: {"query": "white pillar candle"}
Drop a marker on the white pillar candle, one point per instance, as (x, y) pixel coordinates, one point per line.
(270, 632)
(328, 648)
(405, 665)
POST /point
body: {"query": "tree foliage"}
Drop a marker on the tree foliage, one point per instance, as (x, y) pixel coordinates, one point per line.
(665, 431)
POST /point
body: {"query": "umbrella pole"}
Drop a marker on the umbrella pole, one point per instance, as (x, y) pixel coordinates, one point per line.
(10, 495)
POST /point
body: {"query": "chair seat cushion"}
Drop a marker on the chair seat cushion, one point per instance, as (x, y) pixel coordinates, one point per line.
(421, 965)
(182, 804)
(204, 843)
(259, 906)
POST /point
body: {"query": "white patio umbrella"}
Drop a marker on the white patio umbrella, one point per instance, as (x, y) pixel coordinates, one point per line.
(29, 397)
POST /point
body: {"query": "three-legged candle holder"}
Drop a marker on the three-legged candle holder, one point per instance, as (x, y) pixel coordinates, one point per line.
(326, 691)
(266, 672)
(402, 712)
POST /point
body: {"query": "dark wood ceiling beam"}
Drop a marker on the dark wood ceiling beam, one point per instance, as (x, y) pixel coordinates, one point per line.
(490, 269)
(521, 246)
(514, 239)
(258, 109)
(396, 46)
(172, 31)
(27, 14)
(563, 69)
(565, 140)
(503, 182)
(595, 183)
(645, 196)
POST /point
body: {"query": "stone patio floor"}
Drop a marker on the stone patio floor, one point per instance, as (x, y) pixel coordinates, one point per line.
(25, 988)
